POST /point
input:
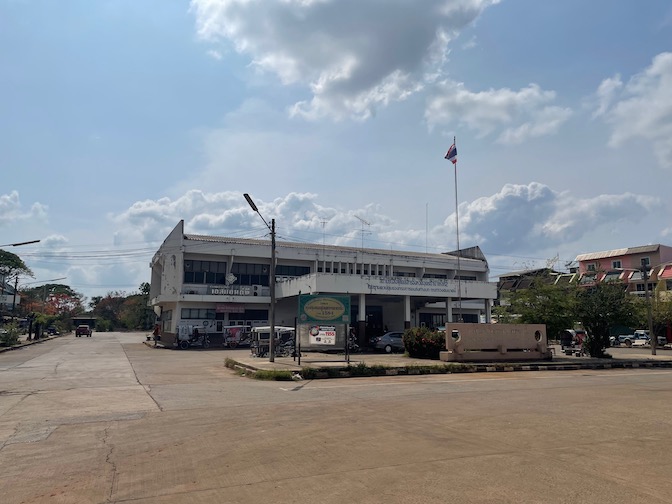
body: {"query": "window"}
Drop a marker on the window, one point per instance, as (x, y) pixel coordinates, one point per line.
(591, 267)
(291, 271)
(645, 261)
(616, 264)
(198, 313)
(467, 277)
(204, 272)
(166, 320)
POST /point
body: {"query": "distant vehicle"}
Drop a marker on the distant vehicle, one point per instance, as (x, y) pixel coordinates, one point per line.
(390, 342)
(639, 338)
(83, 330)
(573, 337)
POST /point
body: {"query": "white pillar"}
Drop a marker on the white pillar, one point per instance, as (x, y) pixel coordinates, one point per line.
(361, 316)
(407, 312)
(449, 310)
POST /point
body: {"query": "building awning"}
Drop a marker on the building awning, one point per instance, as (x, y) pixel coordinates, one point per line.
(587, 280)
(612, 276)
(636, 276)
(666, 272)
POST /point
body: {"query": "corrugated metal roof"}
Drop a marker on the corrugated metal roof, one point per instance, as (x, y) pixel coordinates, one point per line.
(644, 249)
(319, 247)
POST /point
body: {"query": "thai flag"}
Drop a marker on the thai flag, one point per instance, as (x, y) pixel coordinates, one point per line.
(451, 155)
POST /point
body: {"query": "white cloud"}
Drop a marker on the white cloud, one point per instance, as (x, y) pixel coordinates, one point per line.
(521, 218)
(214, 54)
(606, 93)
(12, 211)
(517, 219)
(354, 55)
(643, 109)
(523, 114)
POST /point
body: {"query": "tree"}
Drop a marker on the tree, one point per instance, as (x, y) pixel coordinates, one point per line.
(543, 303)
(12, 265)
(108, 309)
(144, 289)
(662, 316)
(133, 312)
(94, 302)
(599, 308)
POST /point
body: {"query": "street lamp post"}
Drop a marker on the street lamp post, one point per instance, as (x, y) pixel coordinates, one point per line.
(20, 243)
(271, 228)
(654, 339)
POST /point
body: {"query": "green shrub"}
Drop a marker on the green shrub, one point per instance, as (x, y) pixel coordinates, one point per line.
(379, 370)
(309, 373)
(360, 369)
(420, 342)
(9, 336)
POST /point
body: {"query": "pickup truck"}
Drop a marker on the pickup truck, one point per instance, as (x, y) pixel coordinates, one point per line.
(639, 338)
(83, 330)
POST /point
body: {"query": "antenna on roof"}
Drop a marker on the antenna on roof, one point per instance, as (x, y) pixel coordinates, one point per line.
(363, 232)
(550, 263)
(324, 223)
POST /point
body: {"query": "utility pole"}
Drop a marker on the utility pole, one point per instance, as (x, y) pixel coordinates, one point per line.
(645, 275)
(271, 228)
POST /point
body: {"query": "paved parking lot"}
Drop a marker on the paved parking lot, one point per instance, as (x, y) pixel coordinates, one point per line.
(108, 419)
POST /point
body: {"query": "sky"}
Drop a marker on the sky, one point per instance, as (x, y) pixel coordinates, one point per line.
(119, 118)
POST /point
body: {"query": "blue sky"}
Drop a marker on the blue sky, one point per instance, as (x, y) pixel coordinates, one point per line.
(121, 117)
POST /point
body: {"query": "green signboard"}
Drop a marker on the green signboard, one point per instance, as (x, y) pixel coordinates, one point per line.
(324, 309)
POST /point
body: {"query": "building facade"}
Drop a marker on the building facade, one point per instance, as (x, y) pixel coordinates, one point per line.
(648, 267)
(214, 282)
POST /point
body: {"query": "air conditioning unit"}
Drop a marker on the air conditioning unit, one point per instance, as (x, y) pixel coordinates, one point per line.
(256, 290)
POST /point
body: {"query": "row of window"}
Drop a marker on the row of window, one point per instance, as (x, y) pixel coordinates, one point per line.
(214, 272)
(211, 314)
(617, 264)
(205, 266)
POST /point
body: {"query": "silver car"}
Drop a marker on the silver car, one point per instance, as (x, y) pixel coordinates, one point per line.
(390, 342)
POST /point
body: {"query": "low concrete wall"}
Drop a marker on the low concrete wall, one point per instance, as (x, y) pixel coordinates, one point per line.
(495, 342)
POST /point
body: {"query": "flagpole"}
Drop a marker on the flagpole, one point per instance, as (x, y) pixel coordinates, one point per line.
(457, 228)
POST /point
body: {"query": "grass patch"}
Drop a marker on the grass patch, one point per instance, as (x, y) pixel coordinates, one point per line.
(273, 375)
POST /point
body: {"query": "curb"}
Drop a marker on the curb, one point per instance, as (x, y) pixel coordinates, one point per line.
(27, 343)
(337, 372)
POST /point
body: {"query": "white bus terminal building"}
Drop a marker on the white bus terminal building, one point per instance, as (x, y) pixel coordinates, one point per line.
(214, 282)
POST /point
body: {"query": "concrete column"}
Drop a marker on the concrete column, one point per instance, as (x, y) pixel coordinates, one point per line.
(449, 310)
(488, 311)
(361, 321)
(407, 312)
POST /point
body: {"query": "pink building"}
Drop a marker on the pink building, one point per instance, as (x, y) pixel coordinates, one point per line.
(627, 265)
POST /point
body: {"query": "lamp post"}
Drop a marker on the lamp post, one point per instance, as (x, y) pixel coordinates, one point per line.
(645, 275)
(271, 228)
(20, 243)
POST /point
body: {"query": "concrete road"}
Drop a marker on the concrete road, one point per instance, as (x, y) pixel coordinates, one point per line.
(108, 419)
